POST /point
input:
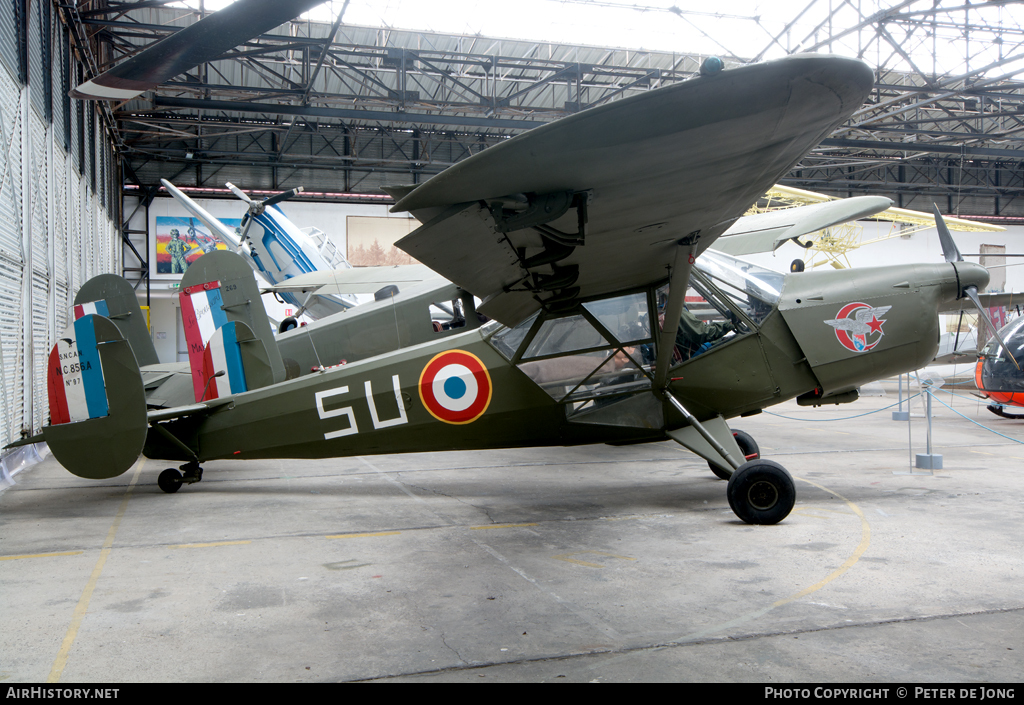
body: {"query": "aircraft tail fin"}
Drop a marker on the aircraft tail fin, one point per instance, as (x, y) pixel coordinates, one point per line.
(114, 298)
(98, 420)
(227, 328)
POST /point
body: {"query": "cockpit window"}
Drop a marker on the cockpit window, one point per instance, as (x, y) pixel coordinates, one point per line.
(564, 335)
(753, 289)
(604, 351)
(625, 316)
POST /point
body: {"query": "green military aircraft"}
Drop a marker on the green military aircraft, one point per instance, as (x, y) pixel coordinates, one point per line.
(585, 242)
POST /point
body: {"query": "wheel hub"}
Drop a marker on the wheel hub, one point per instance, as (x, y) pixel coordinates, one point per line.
(763, 495)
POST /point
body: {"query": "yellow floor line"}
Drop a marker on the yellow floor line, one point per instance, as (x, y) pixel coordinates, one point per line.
(498, 526)
(83, 602)
(208, 545)
(40, 555)
(361, 536)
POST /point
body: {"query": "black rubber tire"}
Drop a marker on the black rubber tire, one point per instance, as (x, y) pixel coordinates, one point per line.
(719, 472)
(761, 492)
(796, 265)
(169, 481)
(748, 446)
(287, 325)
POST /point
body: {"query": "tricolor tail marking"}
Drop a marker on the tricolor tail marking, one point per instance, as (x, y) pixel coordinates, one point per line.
(201, 316)
(223, 353)
(75, 376)
(98, 307)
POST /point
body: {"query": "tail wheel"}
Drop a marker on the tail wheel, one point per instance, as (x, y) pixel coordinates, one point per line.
(748, 446)
(761, 492)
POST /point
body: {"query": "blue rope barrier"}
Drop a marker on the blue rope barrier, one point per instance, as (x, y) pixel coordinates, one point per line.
(846, 418)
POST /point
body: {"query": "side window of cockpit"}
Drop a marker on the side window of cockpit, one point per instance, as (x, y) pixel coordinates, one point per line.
(704, 323)
(447, 315)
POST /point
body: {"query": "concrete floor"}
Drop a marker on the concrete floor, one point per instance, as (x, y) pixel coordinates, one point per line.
(559, 565)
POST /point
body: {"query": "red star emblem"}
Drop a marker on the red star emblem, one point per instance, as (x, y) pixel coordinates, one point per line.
(876, 325)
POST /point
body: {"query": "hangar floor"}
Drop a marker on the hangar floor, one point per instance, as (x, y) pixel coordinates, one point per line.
(566, 564)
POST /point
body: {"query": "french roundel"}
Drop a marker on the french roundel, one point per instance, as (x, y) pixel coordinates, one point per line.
(455, 387)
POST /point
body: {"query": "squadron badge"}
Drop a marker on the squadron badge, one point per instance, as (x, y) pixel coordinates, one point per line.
(859, 326)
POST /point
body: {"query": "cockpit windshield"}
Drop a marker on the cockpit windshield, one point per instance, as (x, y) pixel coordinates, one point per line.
(755, 290)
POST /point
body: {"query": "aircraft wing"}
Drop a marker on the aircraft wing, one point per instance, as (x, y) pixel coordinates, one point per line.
(995, 300)
(198, 43)
(766, 232)
(357, 280)
(639, 175)
(789, 197)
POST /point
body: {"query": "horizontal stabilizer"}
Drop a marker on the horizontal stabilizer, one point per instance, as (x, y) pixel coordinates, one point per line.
(357, 280)
(97, 402)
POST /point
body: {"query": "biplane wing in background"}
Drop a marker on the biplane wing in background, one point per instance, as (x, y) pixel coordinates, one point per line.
(767, 231)
(576, 236)
(830, 244)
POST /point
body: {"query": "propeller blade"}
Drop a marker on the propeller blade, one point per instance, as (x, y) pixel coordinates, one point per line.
(972, 294)
(187, 48)
(949, 248)
(282, 196)
(238, 192)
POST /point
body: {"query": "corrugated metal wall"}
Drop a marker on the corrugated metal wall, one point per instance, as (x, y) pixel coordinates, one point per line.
(57, 228)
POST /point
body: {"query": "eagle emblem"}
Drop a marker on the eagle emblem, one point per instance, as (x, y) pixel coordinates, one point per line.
(859, 326)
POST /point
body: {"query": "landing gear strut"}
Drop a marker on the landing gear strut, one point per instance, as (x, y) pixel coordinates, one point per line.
(749, 448)
(170, 480)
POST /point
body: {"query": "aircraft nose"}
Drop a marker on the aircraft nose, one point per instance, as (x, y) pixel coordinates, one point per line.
(971, 274)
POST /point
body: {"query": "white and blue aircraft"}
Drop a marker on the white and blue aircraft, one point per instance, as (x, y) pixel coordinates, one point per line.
(277, 249)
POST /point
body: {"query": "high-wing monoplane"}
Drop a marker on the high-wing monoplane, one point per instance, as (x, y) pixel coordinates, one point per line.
(581, 239)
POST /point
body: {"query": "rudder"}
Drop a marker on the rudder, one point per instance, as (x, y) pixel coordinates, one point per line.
(97, 402)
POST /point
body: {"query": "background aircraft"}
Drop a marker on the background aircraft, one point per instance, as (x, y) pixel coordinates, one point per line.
(277, 249)
(571, 235)
(831, 244)
(998, 371)
(191, 46)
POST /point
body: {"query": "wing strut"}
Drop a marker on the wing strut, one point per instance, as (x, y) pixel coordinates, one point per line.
(678, 281)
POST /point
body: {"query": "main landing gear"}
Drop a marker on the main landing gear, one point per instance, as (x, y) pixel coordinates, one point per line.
(759, 491)
(170, 480)
(748, 446)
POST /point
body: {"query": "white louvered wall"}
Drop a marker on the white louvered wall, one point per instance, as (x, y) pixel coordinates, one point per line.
(55, 229)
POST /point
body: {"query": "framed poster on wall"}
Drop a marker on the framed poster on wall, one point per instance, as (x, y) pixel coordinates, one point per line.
(371, 240)
(180, 240)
